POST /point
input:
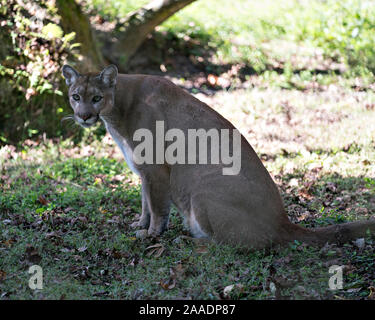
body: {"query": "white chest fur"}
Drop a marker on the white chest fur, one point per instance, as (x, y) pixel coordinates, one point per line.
(124, 146)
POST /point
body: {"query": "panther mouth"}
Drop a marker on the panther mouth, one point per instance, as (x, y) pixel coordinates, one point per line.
(91, 122)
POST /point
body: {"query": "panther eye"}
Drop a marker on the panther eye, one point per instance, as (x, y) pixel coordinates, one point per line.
(97, 98)
(76, 97)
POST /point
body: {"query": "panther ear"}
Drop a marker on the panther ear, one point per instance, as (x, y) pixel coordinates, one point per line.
(109, 75)
(69, 74)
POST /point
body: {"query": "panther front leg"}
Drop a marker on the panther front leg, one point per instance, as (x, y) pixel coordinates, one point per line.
(144, 220)
(156, 201)
(156, 184)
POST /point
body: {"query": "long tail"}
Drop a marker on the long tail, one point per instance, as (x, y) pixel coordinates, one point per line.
(339, 233)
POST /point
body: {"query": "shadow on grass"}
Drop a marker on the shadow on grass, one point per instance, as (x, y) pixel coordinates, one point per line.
(313, 200)
(192, 59)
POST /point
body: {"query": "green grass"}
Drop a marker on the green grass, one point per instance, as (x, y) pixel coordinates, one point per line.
(287, 34)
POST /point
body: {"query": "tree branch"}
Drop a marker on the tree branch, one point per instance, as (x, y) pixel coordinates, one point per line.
(73, 20)
(139, 24)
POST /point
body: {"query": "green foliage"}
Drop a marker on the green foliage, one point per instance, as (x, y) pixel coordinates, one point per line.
(34, 47)
(252, 32)
(241, 31)
(343, 29)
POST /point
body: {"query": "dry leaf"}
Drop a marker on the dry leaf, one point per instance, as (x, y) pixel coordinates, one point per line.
(104, 211)
(168, 285)
(366, 162)
(371, 296)
(82, 219)
(42, 199)
(304, 193)
(52, 234)
(178, 270)
(32, 254)
(156, 250)
(2, 275)
(360, 243)
(229, 289)
(118, 254)
(201, 249)
(171, 282)
(82, 249)
(9, 242)
(303, 216)
(66, 210)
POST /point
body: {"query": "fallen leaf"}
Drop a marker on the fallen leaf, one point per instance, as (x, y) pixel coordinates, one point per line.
(82, 249)
(104, 211)
(371, 296)
(77, 258)
(179, 270)
(50, 234)
(201, 249)
(134, 262)
(366, 162)
(42, 199)
(101, 294)
(230, 289)
(118, 178)
(360, 243)
(272, 288)
(156, 250)
(293, 182)
(353, 290)
(2, 275)
(331, 187)
(82, 219)
(9, 242)
(32, 254)
(304, 193)
(118, 254)
(303, 216)
(170, 283)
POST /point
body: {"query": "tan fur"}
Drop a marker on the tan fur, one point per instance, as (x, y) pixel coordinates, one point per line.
(244, 209)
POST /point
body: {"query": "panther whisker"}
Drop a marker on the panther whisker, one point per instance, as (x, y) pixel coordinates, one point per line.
(68, 117)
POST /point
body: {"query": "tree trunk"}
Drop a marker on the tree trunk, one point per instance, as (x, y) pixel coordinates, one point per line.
(73, 20)
(139, 24)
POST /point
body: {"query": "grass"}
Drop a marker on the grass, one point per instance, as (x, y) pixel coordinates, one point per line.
(68, 208)
(288, 34)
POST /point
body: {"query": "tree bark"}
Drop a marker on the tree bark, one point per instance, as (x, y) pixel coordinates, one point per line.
(139, 24)
(73, 20)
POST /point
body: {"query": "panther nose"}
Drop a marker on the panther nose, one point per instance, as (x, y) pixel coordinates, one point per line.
(84, 116)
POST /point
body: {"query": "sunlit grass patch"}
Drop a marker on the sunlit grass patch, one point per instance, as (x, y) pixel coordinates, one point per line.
(289, 36)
